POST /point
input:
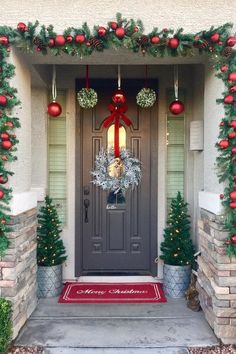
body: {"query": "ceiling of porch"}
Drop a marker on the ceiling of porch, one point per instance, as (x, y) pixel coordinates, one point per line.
(70, 67)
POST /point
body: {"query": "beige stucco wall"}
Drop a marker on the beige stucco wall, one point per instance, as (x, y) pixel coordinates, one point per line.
(190, 14)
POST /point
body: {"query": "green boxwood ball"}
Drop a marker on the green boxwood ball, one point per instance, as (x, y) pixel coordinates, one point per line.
(146, 98)
(87, 98)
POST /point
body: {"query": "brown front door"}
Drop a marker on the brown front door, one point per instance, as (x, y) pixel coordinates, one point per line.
(116, 238)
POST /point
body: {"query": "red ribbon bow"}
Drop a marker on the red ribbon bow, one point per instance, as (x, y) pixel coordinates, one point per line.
(117, 114)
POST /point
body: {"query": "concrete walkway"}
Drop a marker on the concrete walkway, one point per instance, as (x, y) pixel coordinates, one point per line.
(166, 328)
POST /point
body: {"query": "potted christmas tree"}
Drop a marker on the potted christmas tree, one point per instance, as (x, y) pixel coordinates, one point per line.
(177, 249)
(50, 251)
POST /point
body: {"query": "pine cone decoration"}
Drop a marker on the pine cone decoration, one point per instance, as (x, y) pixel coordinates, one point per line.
(201, 43)
(96, 44)
(38, 42)
(227, 52)
(143, 40)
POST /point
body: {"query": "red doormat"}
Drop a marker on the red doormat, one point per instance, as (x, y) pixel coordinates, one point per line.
(112, 293)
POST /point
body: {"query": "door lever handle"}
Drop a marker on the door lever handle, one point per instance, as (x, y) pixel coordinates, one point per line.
(86, 206)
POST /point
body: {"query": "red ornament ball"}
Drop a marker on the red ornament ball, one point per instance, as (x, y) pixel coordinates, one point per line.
(173, 43)
(233, 89)
(120, 32)
(54, 109)
(232, 205)
(231, 41)
(6, 144)
(233, 239)
(69, 39)
(176, 107)
(229, 99)
(51, 42)
(3, 180)
(22, 27)
(233, 123)
(113, 25)
(1, 194)
(223, 68)
(4, 136)
(232, 195)
(118, 97)
(215, 37)
(223, 144)
(102, 31)
(221, 124)
(233, 150)
(60, 40)
(155, 39)
(3, 100)
(80, 38)
(136, 29)
(232, 76)
(4, 40)
(232, 135)
(221, 196)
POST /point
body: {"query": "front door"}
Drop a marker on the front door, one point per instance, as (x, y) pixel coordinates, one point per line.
(116, 238)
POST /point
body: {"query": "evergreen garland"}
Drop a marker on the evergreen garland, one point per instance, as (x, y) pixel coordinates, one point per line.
(50, 248)
(216, 42)
(177, 248)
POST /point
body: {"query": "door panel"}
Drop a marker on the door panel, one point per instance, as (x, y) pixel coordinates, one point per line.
(116, 238)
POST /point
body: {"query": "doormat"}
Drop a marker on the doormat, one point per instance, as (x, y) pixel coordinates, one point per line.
(112, 293)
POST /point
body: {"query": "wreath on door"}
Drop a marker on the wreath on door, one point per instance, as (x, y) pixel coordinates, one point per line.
(116, 173)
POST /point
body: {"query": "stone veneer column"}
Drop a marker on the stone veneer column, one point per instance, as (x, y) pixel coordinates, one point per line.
(216, 277)
(18, 268)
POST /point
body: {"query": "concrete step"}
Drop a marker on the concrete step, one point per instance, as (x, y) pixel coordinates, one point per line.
(115, 351)
(117, 333)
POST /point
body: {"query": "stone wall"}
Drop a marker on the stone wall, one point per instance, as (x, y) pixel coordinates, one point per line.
(18, 268)
(217, 278)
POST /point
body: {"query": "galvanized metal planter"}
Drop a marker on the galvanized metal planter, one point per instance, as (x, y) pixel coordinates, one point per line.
(176, 280)
(49, 281)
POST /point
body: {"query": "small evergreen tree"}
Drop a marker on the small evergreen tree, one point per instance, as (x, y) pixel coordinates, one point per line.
(177, 247)
(50, 248)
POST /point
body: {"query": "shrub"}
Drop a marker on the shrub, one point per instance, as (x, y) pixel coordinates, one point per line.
(5, 325)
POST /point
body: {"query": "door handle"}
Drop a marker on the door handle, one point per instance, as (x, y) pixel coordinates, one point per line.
(86, 206)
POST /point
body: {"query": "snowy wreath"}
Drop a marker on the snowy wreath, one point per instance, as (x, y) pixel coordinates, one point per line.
(116, 173)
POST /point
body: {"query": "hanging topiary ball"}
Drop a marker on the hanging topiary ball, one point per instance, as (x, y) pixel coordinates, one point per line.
(146, 98)
(87, 98)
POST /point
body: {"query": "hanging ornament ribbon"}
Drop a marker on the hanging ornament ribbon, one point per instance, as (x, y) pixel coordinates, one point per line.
(176, 82)
(87, 81)
(117, 114)
(54, 86)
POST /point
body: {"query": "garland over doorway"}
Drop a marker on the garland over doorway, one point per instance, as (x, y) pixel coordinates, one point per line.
(129, 34)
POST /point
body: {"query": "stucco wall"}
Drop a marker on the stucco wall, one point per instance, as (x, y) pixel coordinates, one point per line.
(192, 15)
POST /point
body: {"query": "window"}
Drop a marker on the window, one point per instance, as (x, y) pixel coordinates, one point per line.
(110, 136)
(175, 156)
(57, 159)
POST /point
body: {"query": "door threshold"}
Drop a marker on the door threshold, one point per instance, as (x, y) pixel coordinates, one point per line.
(117, 279)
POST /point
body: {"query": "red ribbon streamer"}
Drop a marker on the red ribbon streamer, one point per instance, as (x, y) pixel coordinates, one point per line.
(87, 83)
(117, 114)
